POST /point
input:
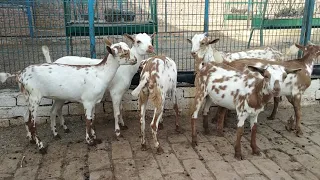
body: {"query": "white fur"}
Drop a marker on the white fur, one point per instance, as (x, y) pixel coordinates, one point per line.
(210, 54)
(222, 84)
(70, 82)
(120, 83)
(165, 72)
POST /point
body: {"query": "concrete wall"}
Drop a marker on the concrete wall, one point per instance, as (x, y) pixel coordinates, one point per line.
(13, 105)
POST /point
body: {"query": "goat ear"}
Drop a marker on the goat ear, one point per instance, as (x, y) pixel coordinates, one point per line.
(256, 69)
(108, 42)
(111, 51)
(153, 35)
(189, 40)
(302, 48)
(291, 71)
(129, 37)
(213, 41)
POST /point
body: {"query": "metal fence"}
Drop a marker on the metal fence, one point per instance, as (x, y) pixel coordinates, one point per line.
(63, 25)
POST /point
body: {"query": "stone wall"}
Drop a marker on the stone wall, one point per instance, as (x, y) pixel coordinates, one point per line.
(13, 105)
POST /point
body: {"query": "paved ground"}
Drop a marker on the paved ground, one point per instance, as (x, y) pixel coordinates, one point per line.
(284, 156)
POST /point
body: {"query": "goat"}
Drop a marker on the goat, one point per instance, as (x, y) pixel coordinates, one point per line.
(158, 77)
(246, 92)
(81, 83)
(118, 86)
(201, 44)
(293, 87)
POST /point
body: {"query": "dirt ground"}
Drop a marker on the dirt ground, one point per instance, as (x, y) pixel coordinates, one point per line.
(284, 156)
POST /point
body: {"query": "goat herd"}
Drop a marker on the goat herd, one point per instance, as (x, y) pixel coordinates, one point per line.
(242, 81)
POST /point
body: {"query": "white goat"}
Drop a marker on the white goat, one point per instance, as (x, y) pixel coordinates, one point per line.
(142, 45)
(246, 92)
(201, 45)
(81, 83)
(158, 77)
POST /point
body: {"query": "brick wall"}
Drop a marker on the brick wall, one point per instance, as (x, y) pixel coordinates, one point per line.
(13, 105)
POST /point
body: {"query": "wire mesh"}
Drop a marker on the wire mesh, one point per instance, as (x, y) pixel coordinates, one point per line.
(62, 25)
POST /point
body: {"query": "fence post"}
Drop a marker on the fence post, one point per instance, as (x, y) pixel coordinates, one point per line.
(306, 23)
(206, 16)
(91, 29)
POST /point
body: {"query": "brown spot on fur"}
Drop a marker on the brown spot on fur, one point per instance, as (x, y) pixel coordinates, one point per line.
(223, 87)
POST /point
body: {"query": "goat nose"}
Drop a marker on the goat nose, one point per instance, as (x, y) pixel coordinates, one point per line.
(193, 54)
(150, 49)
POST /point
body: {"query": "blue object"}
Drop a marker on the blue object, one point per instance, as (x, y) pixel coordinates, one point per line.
(206, 16)
(29, 14)
(306, 23)
(91, 29)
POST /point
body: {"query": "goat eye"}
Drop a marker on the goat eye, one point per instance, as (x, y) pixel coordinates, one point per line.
(138, 42)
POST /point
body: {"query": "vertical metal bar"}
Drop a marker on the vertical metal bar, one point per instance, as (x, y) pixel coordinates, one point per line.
(306, 23)
(165, 16)
(28, 4)
(309, 23)
(206, 16)
(91, 29)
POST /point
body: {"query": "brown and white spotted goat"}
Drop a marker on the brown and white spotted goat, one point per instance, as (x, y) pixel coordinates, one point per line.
(293, 87)
(158, 78)
(246, 92)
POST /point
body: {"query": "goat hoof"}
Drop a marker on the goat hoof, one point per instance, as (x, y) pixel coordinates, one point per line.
(67, 131)
(271, 118)
(299, 133)
(220, 133)
(91, 143)
(97, 141)
(123, 127)
(32, 141)
(43, 150)
(160, 126)
(238, 156)
(57, 137)
(206, 131)
(179, 130)
(256, 152)
(160, 150)
(143, 147)
(194, 143)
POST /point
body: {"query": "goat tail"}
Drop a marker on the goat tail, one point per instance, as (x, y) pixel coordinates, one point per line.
(137, 90)
(5, 76)
(45, 51)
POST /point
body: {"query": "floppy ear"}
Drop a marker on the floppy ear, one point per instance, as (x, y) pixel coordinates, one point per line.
(111, 51)
(302, 48)
(153, 35)
(291, 71)
(127, 36)
(256, 69)
(213, 41)
(189, 40)
(108, 42)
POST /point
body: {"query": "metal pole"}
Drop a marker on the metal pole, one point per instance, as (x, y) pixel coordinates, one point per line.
(91, 29)
(306, 23)
(206, 16)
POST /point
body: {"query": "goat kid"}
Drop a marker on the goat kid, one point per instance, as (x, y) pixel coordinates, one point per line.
(246, 92)
(142, 45)
(80, 83)
(293, 87)
(158, 78)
